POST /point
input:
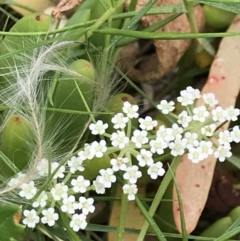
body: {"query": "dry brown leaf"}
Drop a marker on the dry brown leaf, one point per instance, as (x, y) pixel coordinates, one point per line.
(194, 180)
(63, 6)
(164, 54)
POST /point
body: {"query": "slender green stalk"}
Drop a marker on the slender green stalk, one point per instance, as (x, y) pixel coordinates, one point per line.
(85, 103)
(189, 4)
(122, 218)
(150, 221)
(159, 195)
(190, 15)
(183, 223)
(98, 23)
(165, 36)
(105, 58)
(71, 234)
(75, 112)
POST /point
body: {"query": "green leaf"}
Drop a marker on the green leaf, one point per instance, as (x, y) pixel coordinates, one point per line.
(234, 160)
(9, 222)
(230, 6)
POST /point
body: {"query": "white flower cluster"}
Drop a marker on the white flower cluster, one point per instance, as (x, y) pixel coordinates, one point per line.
(128, 146)
(59, 198)
(197, 132)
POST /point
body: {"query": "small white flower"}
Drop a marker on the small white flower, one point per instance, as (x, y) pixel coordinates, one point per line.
(225, 137)
(185, 99)
(132, 174)
(166, 107)
(232, 113)
(98, 128)
(130, 110)
(223, 152)
(59, 191)
(219, 114)
(86, 205)
(75, 164)
(188, 96)
(139, 138)
(60, 172)
(131, 190)
(210, 99)
(148, 123)
(145, 158)
(194, 92)
(196, 155)
(174, 132)
(208, 130)
(235, 134)
(200, 113)
(107, 177)
(68, 205)
(41, 200)
(119, 121)
(192, 139)
(80, 184)
(28, 190)
(178, 146)
(184, 119)
(119, 163)
(163, 133)
(87, 153)
(206, 148)
(43, 167)
(15, 181)
(155, 170)
(31, 218)
(78, 222)
(99, 187)
(49, 217)
(158, 145)
(99, 148)
(119, 139)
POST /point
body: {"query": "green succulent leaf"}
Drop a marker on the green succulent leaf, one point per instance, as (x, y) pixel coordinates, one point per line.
(9, 222)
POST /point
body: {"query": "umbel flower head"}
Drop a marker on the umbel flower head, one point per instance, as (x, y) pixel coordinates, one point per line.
(195, 132)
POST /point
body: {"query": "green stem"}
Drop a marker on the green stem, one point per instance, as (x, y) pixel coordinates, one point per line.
(150, 221)
(159, 195)
(85, 103)
(105, 59)
(120, 3)
(74, 112)
(122, 218)
(71, 234)
(190, 15)
(189, 4)
(97, 24)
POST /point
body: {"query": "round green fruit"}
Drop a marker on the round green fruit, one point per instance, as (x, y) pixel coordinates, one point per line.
(217, 18)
